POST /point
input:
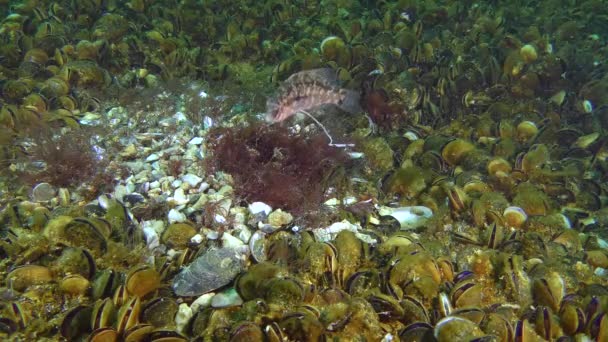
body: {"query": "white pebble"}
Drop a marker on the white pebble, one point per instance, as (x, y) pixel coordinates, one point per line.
(202, 302)
(152, 240)
(204, 186)
(153, 157)
(196, 141)
(213, 235)
(179, 197)
(225, 299)
(154, 185)
(196, 239)
(231, 241)
(183, 316)
(175, 216)
(259, 207)
(176, 183)
(191, 179)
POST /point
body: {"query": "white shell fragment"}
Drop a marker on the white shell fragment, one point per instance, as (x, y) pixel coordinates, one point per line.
(259, 207)
(183, 316)
(217, 267)
(196, 141)
(409, 217)
(176, 216)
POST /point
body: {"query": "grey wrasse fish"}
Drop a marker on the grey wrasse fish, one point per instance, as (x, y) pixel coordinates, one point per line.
(309, 90)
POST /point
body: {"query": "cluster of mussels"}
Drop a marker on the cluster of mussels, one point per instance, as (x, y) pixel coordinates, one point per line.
(493, 119)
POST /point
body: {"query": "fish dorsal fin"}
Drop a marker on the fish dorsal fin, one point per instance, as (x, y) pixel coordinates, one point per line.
(323, 76)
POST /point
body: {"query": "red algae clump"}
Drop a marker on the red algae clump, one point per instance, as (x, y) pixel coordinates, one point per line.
(270, 164)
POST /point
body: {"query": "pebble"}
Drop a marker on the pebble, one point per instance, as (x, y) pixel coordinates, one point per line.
(279, 218)
(176, 216)
(259, 207)
(129, 152)
(230, 241)
(204, 186)
(202, 302)
(153, 157)
(183, 316)
(179, 197)
(226, 298)
(120, 191)
(196, 239)
(192, 179)
(196, 141)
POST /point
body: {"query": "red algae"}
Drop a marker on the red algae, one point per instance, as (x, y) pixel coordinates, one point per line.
(270, 164)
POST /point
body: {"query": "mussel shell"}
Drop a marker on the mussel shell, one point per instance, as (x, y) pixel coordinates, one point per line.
(417, 332)
(82, 232)
(104, 335)
(142, 281)
(246, 331)
(76, 322)
(104, 314)
(159, 312)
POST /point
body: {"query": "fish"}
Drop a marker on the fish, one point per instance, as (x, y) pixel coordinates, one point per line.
(309, 90)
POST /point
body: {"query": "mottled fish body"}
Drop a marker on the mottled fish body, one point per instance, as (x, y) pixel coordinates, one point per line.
(308, 90)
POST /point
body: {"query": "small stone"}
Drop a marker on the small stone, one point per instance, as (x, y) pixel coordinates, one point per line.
(204, 186)
(43, 192)
(279, 218)
(176, 183)
(183, 316)
(196, 141)
(154, 185)
(197, 239)
(230, 241)
(244, 234)
(176, 216)
(130, 151)
(213, 235)
(226, 298)
(152, 158)
(191, 179)
(179, 197)
(120, 191)
(259, 207)
(202, 302)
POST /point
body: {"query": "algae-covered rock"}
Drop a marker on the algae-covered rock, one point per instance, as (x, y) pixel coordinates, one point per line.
(378, 153)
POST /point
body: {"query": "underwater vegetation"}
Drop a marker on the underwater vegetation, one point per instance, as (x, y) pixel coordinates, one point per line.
(273, 165)
(62, 159)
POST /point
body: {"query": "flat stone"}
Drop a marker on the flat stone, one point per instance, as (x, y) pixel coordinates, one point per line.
(196, 141)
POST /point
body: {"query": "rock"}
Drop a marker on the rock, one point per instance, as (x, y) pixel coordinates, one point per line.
(196, 141)
(259, 207)
(152, 158)
(226, 298)
(129, 152)
(183, 316)
(179, 197)
(176, 216)
(279, 218)
(202, 302)
(191, 179)
(217, 267)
